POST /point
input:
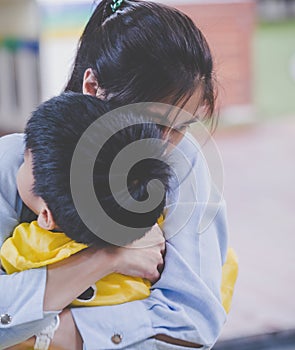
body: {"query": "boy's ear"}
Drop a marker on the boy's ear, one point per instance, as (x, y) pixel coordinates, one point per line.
(90, 85)
(45, 219)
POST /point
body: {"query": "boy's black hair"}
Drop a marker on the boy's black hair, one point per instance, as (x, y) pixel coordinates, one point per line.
(52, 134)
(145, 52)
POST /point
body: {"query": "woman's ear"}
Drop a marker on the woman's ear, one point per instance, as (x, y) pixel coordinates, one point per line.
(90, 85)
(45, 219)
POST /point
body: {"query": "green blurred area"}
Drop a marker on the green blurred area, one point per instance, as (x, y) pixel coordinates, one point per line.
(274, 58)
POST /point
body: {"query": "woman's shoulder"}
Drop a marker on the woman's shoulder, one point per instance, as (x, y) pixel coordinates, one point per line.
(11, 150)
(11, 157)
(11, 142)
(188, 155)
(189, 145)
(194, 148)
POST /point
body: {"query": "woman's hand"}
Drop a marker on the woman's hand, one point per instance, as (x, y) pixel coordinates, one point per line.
(143, 258)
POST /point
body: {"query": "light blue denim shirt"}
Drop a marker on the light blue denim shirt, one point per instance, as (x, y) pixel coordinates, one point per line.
(184, 303)
(21, 294)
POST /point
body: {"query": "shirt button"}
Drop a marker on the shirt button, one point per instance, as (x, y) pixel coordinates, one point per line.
(116, 338)
(5, 319)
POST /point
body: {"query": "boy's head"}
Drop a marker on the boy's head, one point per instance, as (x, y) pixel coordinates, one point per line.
(44, 180)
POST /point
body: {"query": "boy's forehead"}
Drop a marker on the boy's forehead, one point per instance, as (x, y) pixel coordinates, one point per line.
(28, 156)
(27, 153)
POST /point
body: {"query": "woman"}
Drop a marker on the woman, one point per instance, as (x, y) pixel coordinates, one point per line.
(133, 51)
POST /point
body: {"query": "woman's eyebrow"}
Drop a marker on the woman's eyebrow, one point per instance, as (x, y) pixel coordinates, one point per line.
(193, 120)
(159, 120)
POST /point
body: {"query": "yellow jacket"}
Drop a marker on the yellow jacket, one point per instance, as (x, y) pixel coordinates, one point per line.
(31, 247)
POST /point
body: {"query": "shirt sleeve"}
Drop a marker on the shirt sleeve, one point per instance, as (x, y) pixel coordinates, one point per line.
(11, 157)
(21, 294)
(21, 306)
(185, 303)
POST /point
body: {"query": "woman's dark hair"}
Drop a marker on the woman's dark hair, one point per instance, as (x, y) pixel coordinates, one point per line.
(52, 134)
(145, 51)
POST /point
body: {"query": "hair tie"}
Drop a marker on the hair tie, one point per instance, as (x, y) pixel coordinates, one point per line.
(116, 4)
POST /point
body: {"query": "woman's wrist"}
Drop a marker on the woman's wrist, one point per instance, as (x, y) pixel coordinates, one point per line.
(45, 336)
(67, 335)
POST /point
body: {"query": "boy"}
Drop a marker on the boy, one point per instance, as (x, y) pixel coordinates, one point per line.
(44, 185)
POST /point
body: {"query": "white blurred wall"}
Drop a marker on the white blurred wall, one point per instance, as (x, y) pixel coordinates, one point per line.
(28, 77)
(19, 62)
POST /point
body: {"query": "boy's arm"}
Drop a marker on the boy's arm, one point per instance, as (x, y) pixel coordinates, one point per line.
(22, 294)
(22, 308)
(90, 265)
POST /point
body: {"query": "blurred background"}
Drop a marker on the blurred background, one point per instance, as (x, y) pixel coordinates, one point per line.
(253, 43)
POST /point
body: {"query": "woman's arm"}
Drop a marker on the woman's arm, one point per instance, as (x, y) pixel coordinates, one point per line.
(185, 303)
(66, 336)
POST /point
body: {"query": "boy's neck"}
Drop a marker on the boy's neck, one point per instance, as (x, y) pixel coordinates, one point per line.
(27, 215)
